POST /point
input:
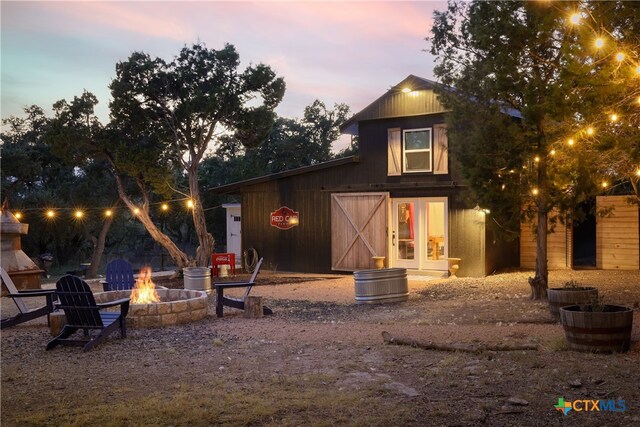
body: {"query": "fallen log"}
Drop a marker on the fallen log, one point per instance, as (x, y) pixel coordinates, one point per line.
(468, 348)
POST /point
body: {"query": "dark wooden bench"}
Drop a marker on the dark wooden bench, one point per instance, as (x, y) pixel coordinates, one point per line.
(221, 300)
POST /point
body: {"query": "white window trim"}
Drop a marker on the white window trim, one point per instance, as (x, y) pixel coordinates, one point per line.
(423, 150)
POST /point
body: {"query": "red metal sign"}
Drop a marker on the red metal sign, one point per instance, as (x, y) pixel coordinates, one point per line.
(284, 218)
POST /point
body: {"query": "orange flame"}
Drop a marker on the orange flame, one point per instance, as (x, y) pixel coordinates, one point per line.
(144, 291)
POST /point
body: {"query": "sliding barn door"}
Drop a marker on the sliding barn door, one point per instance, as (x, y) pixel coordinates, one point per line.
(358, 229)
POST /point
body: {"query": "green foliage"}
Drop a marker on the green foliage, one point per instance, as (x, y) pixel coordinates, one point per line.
(524, 59)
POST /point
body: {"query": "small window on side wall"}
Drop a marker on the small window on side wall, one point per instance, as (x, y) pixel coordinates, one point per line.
(417, 150)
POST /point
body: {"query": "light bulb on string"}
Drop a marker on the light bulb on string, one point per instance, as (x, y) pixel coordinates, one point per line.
(575, 18)
(619, 56)
(164, 207)
(590, 131)
(604, 184)
(570, 141)
(78, 214)
(108, 213)
(136, 211)
(50, 213)
(535, 191)
(552, 152)
(18, 215)
(599, 43)
(614, 117)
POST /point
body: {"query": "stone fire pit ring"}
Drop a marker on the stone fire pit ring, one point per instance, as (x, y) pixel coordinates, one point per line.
(176, 306)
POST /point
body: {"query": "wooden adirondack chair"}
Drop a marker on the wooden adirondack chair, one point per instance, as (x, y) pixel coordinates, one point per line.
(119, 276)
(82, 312)
(221, 300)
(26, 313)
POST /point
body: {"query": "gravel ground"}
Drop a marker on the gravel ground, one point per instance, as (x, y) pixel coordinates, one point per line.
(279, 370)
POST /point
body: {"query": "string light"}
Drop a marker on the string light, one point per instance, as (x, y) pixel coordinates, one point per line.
(536, 159)
(605, 184)
(552, 152)
(50, 213)
(18, 215)
(614, 117)
(535, 191)
(571, 141)
(599, 42)
(164, 207)
(136, 211)
(575, 18)
(638, 70)
(620, 57)
(190, 204)
(78, 214)
(108, 213)
(590, 131)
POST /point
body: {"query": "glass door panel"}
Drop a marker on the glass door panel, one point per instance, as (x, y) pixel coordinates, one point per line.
(404, 235)
(406, 231)
(435, 230)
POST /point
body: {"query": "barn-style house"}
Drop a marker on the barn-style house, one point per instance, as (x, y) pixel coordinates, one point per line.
(400, 199)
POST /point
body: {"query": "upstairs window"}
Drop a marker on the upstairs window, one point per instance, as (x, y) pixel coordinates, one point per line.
(417, 146)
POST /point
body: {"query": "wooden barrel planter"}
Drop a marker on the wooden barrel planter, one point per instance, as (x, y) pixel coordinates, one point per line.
(605, 331)
(384, 285)
(563, 297)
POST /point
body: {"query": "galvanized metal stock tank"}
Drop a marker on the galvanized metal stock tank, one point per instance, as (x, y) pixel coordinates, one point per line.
(382, 285)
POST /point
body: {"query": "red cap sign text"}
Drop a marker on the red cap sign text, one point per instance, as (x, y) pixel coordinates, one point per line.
(284, 218)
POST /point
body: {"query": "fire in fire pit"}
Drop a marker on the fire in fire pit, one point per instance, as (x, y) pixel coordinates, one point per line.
(144, 291)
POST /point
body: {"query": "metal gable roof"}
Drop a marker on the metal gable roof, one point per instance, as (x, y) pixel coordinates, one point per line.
(421, 99)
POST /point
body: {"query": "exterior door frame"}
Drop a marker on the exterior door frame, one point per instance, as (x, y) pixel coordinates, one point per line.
(420, 261)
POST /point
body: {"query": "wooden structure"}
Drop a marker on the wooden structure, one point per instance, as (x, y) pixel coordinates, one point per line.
(82, 313)
(400, 198)
(26, 313)
(24, 273)
(119, 276)
(617, 238)
(222, 301)
(559, 245)
(618, 235)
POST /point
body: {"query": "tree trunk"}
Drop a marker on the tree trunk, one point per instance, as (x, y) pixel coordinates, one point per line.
(205, 239)
(98, 248)
(180, 258)
(539, 283)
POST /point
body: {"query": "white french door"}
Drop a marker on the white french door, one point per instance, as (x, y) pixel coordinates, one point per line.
(419, 233)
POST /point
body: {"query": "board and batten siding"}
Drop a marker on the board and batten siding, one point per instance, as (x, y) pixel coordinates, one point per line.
(467, 241)
(617, 235)
(559, 248)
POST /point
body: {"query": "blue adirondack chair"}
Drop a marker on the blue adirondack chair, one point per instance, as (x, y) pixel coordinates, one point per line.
(119, 276)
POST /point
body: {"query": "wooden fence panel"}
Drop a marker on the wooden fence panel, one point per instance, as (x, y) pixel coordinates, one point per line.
(617, 235)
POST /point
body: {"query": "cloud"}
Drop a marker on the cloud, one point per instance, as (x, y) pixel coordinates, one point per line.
(87, 18)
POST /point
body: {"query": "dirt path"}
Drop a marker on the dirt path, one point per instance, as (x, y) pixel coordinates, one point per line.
(320, 360)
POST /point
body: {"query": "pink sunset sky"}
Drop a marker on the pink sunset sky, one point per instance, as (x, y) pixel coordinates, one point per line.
(349, 52)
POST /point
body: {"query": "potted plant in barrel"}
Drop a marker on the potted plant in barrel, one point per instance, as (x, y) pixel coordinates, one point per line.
(571, 293)
(597, 327)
